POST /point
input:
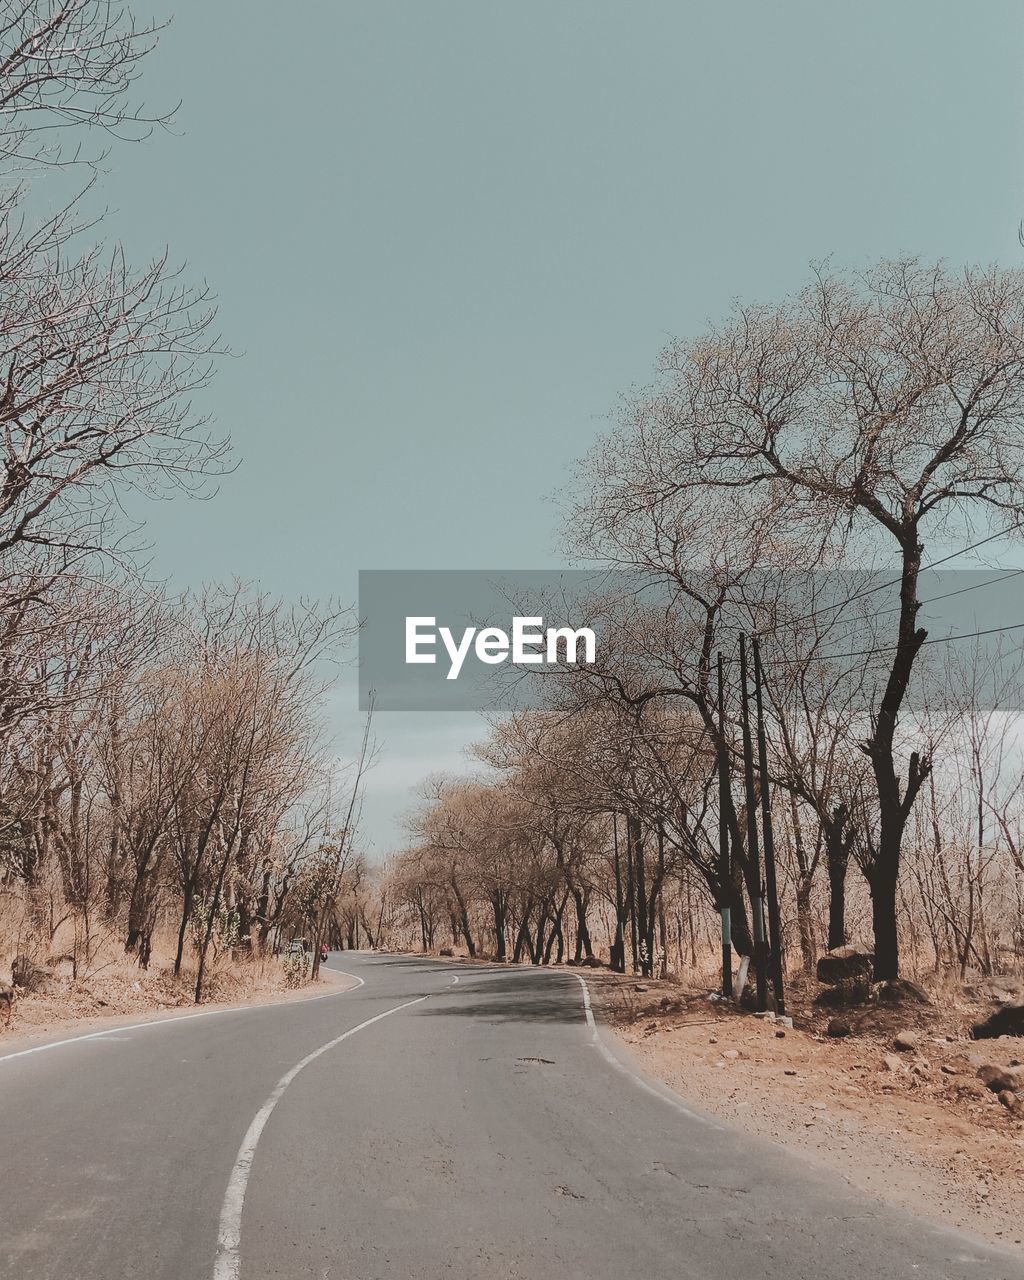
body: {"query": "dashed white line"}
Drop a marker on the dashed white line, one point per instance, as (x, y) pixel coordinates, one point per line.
(229, 1234)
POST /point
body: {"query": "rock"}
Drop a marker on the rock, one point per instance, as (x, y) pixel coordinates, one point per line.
(641, 987)
(838, 1029)
(948, 1070)
(712, 1039)
(1008, 1098)
(846, 964)
(591, 962)
(28, 975)
(907, 1041)
(902, 991)
(447, 952)
(892, 1063)
(999, 1078)
(732, 1054)
(1006, 1021)
(784, 1022)
(844, 994)
(780, 1034)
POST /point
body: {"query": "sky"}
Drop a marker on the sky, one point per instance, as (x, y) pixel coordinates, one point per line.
(448, 235)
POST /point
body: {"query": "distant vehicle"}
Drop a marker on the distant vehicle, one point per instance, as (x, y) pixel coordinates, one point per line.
(323, 955)
(297, 946)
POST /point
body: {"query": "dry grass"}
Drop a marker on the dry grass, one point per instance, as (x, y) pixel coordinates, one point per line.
(93, 977)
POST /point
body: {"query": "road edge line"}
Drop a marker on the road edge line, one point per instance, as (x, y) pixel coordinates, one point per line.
(227, 1263)
(184, 1017)
(656, 1089)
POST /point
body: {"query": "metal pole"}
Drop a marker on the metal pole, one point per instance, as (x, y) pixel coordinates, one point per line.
(756, 892)
(724, 860)
(768, 837)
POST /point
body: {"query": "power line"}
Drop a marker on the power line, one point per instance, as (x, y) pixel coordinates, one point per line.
(977, 586)
(886, 648)
(1007, 576)
(882, 586)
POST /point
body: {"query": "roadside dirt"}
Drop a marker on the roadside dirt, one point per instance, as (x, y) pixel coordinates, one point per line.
(112, 1000)
(913, 1126)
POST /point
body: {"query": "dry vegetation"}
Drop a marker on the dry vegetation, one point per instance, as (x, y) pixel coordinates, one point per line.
(164, 783)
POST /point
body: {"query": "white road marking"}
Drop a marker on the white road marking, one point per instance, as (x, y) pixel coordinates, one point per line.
(588, 1011)
(229, 1234)
(118, 1032)
(610, 1058)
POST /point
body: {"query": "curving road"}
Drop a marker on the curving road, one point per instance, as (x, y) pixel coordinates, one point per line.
(439, 1122)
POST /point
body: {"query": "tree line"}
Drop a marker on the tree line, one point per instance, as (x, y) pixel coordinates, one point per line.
(793, 476)
(163, 770)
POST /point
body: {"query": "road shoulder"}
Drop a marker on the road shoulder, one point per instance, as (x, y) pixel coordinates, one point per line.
(926, 1141)
(18, 1039)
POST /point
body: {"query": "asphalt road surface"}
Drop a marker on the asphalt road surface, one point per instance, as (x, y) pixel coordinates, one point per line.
(439, 1122)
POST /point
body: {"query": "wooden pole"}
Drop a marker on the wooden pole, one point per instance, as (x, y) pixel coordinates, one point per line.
(753, 853)
(724, 860)
(768, 837)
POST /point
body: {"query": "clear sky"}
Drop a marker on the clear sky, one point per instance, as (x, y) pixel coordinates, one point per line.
(448, 234)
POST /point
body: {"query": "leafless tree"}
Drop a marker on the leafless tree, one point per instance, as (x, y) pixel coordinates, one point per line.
(858, 418)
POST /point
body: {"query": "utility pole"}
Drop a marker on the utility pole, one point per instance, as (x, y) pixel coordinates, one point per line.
(619, 946)
(768, 837)
(756, 892)
(724, 860)
(631, 890)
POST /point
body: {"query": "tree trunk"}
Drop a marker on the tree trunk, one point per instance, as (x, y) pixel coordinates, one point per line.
(742, 938)
(640, 922)
(893, 806)
(584, 946)
(498, 906)
(805, 923)
(186, 915)
(882, 881)
(837, 861)
(523, 940)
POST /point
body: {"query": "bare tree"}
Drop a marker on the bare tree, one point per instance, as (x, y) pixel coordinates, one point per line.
(857, 418)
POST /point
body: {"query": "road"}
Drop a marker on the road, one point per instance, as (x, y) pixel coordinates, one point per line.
(439, 1122)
